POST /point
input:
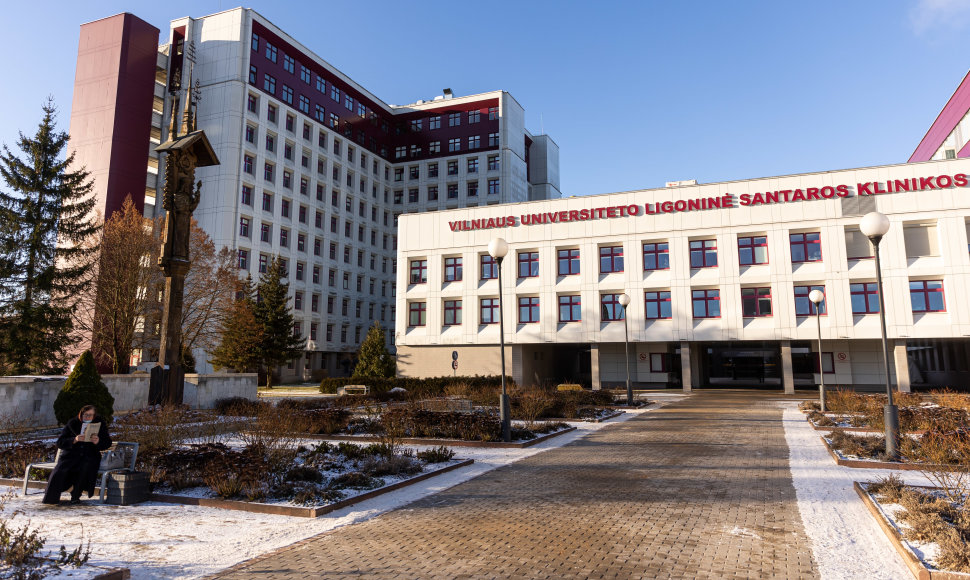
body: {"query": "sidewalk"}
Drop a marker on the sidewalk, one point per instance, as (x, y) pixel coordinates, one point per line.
(699, 489)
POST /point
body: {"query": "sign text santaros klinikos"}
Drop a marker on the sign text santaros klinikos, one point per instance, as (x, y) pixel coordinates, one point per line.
(726, 201)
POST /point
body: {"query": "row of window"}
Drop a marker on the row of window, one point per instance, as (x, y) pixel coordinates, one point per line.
(925, 296)
(471, 166)
(454, 146)
(431, 191)
(246, 230)
(243, 261)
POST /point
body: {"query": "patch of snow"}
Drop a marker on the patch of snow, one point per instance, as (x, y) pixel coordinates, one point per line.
(738, 531)
(847, 542)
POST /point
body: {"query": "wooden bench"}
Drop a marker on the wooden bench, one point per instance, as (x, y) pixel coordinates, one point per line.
(129, 451)
(353, 390)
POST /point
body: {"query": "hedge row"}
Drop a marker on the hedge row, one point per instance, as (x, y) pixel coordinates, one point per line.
(430, 386)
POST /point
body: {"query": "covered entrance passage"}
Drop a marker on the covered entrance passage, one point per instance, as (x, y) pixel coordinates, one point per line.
(750, 364)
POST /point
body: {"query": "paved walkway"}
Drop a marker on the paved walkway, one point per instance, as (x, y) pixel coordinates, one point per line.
(698, 489)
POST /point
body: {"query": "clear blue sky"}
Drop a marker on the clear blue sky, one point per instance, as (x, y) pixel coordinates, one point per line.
(634, 93)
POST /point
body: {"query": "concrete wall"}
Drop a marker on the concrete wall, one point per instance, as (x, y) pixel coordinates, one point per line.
(30, 401)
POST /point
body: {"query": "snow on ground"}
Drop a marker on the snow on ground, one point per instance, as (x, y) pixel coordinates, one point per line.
(158, 540)
(846, 539)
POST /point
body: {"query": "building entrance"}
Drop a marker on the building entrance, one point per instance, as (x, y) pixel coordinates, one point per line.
(741, 364)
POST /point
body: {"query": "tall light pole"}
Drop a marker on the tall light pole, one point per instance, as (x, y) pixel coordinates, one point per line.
(624, 301)
(498, 249)
(816, 296)
(874, 226)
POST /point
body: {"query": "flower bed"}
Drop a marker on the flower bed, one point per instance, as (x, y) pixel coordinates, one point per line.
(928, 526)
(939, 449)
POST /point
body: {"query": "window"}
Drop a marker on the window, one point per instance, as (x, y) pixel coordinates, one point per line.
(453, 270)
(247, 195)
(301, 242)
(287, 95)
(493, 139)
(267, 202)
(268, 172)
(434, 122)
(488, 311)
(332, 281)
(528, 309)
(706, 303)
(454, 119)
(568, 262)
(243, 257)
(803, 305)
(255, 43)
(473, 116)
(452, 191)
(703, 253)
(921, 240)
(492, 113)
(657, 305)
(248, 164)
(265, 232)
(493, 163)
(488, 267)
(290, 121)
(252, 104)
(398, 196)
(528, 264)
(471, 189)
(865, 298)
(658, 362)
(753, 250)
(493, 187)
(413, 172)
(434, 147)
(419, 271)
(284, 238)
(432, 193)
(806, 247)
(413, 195)
(454, 144)
(417, 313)
(270, 143)
(269, 84)
(316, 274)
(244, 227)
(334, 120)
(321, 85)
(285, 208)
(857, 245)
(305, 104)
(656, 256)
(334, 93)
(271, 113)
(452, 312)
(270, 52)
(756, 302)
(474, 142)
(610, 308)
(927, 296)
(250, 134)
(570, 309)
(298, 300)
(452, 168)
(288, 179)
(473, 165)
(263, 263)
(304, 74)
(349, 102)
(289, 65)
(611, 259)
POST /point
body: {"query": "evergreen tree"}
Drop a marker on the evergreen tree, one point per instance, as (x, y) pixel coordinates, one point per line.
(83, 387)
(242, 336)
(373, 359)
(280, 344)
(47, 237)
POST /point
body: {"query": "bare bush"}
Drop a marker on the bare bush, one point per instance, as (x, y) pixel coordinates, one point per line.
(945, 457)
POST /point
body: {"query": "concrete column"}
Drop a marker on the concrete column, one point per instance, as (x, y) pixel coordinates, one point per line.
(594, 366)
(902, 366)
(787, 378)
(686, 366)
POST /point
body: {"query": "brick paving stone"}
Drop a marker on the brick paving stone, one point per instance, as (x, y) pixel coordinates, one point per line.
(700, 489)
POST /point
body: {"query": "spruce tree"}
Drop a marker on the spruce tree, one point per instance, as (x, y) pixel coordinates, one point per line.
(280, 344)
(242, 336)
(83, 387)
(374, 360)
(47, 238)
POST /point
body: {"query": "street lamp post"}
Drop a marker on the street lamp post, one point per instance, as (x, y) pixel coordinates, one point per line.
(816, 296)
(498, 249)
(874, 226)
(624, 300)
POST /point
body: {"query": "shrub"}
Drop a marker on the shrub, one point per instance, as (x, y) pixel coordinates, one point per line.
(820, 419)
(954, 551)
(83, 387)
(438, 454)
(312, 495)
(889, 488)
(377, 466)
(15, 458)
(845, 401)
(304, 473)
(354, 480)
(238, 406)
(414, 386)
(951, 399)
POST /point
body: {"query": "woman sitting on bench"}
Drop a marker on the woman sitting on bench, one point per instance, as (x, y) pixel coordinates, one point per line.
(77, 468)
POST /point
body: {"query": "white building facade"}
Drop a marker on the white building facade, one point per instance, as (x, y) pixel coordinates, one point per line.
(718, 275)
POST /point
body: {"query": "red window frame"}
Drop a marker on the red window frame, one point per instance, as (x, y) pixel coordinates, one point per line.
(572, 303)
(569, 258)
(757, 296)
(926, 292)
(658, 253)
(662, 366)
(827, 357)
(530, 262)
(611, 259)
(489, 305)
(749, 245)
(870, 295)
(706, 250)
(657, 298)
(419, 272)
(419, 309)
(453, 270)
(610, 308)
(531, 306)
(707, 297)
(454, 308)
(801, 294)
(488, 267)
(804, 241)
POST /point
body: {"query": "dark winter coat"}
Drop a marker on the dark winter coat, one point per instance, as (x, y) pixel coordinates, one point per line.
(79, 462)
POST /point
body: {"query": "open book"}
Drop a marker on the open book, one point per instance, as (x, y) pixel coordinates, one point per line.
(88, 431)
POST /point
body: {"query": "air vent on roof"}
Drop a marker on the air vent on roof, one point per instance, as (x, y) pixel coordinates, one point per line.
(858, 205)
(682, 183)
